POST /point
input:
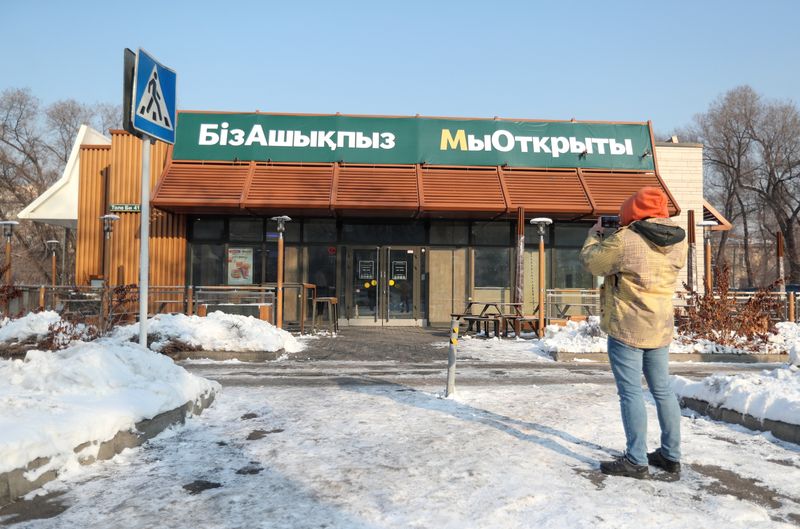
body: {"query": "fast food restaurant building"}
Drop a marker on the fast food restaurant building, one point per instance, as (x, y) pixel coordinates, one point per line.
(403, 219)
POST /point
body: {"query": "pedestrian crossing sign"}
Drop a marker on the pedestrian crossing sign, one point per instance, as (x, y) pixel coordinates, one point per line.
(153, 112)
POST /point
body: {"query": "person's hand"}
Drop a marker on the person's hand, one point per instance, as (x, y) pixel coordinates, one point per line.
(597, 228)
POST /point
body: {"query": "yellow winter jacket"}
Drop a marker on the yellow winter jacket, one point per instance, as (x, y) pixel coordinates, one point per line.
(640, 263)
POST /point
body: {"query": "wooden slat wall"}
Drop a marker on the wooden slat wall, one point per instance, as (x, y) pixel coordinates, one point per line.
(95, 162)
(167, 230)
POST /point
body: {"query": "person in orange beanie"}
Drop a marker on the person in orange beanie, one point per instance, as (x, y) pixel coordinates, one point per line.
(640, 263)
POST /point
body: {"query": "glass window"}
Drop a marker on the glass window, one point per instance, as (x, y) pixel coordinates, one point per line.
(492, 267)
(208, 264)
(406, 233)
(208, 229)
(491, 233)
(532, 235)
(571, 235)
(319, 231)
(364, 233)
(450, 233)
(322, 270)
(292, 233)
(246, 229)
(568, 272)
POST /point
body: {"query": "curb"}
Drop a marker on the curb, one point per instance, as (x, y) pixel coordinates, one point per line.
(244, 356)
(685, 357)
(14, 484)
(782, 430)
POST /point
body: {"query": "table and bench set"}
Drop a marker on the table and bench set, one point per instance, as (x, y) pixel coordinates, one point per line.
(502, 316)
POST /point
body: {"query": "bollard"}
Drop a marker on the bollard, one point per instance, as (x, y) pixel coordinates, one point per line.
(451, 359)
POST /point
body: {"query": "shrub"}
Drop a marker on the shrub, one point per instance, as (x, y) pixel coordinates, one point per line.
(717, 315)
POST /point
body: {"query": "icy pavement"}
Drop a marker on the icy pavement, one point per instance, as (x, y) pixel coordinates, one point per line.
(360, 450)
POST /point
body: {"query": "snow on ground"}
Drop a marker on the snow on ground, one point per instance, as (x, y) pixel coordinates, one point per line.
(586, 337)
(368, 453)
(215, 332)
(34, 325)
(51, 402)
(498, 350)
(771, 394)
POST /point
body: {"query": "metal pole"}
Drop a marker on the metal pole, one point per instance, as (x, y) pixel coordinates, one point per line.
(709, 277)
(8, 260)
(781, 270)
(791, 306)
(279, 308)
(692, 257)
(144, 241)
(53, 266)
(542, 291)
(451, 359)
(519, 284)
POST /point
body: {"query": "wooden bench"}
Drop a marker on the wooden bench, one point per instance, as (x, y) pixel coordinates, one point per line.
(485, 320)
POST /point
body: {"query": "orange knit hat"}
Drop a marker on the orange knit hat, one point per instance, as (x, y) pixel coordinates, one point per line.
(648, 202)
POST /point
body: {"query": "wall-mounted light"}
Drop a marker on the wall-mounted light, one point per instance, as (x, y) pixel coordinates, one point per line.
(647, 152)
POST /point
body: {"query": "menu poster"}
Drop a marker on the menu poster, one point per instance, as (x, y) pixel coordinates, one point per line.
(366, 269)
(240, 266)
(399, 270)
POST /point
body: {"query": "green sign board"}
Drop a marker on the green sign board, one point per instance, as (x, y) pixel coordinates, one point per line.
(375, 140)
(125, 208)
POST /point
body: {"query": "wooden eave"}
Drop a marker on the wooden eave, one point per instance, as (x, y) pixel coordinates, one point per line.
(340, 189)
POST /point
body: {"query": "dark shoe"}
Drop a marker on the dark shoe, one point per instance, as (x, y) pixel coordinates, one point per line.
(622, 466)
(658, 460)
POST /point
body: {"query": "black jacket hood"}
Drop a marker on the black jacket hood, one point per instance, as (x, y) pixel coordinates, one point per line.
(659, 234)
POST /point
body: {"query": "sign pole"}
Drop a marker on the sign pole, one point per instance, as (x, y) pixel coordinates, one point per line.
(144, 241)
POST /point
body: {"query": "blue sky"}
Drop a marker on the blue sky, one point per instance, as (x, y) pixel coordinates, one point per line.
(607, 60)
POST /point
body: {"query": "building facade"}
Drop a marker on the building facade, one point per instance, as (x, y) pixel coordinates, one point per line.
(403, 219)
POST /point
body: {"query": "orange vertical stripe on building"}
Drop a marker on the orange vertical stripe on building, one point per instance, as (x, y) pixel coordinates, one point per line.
(122, 163)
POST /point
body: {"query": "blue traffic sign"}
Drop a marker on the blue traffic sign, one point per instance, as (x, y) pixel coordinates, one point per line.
(153, 111)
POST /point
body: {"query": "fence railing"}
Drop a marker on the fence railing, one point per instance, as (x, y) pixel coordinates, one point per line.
(120, 304)
(576, 303)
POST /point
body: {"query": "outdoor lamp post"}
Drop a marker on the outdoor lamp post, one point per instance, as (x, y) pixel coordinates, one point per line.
(108, 227)
(706, 225)
(281, 220)
(542, 223)
(52, 245)
(8, 231)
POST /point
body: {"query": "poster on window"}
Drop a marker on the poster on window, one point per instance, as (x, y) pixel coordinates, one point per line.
(399, 270)
(366, 269)
(240, 266)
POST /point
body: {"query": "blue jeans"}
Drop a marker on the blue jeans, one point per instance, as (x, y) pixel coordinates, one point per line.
(628, 363)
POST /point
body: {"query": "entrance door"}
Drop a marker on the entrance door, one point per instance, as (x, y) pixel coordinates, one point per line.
(383, 286)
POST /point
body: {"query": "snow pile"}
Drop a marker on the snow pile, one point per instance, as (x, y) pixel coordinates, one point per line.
(574, 337)
(52, 402)
(586, 337)
(34, 325)
(788, 340)
(498, 350)
(771, 394)
(216, 332)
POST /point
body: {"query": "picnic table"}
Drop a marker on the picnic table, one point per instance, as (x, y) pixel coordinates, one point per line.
(502, 315)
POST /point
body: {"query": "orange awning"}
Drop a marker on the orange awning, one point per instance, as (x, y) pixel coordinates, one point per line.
(323, 189)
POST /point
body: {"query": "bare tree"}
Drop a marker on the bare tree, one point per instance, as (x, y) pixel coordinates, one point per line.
(35, 144)
(751, 156)
(776, 180)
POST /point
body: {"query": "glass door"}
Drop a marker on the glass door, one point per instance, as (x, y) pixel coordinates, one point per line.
(399, 283)
(383, 286)
(364, 275)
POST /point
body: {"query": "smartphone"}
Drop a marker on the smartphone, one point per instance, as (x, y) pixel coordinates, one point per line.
(609, 222)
